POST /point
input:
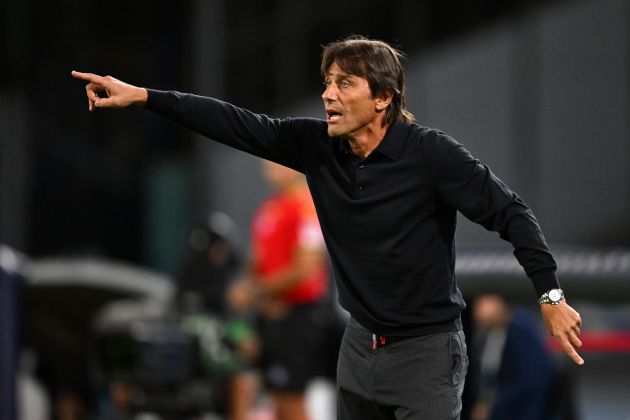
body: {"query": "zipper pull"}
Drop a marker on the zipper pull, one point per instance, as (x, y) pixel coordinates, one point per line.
(373, 341)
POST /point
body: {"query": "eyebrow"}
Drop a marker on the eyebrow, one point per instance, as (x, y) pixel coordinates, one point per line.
(341, 74)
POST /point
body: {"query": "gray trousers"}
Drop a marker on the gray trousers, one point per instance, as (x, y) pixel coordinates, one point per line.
(420, 378)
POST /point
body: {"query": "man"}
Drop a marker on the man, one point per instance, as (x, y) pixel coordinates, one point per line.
(509, 346)
(288, 281)
(386, 192)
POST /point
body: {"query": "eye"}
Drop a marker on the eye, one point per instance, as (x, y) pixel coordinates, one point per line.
(345, 83)
(326, 83)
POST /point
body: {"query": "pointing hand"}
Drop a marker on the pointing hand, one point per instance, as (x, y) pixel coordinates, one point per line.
(108, 92)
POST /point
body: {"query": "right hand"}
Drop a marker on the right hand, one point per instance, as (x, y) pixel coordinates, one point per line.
(118, 94)
(274, 309)
(240, 294)
(564, 324)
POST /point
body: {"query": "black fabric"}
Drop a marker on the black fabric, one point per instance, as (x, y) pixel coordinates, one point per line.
(403, 379)
(388, 220)
(299, 347)
(207, 279)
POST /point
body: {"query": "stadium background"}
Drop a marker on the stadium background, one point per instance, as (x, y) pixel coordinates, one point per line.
(538, 90)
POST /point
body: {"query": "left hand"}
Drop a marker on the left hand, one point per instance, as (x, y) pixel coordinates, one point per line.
(564, 323)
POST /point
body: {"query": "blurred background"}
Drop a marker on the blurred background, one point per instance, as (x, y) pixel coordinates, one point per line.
(97, 209)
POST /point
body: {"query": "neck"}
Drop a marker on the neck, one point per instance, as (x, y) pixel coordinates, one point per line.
(364, 143)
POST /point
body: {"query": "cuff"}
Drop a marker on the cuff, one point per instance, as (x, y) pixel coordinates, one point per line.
(545, 281)
(156, 99)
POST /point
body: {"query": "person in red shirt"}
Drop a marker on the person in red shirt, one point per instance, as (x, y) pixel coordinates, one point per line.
(287, 280)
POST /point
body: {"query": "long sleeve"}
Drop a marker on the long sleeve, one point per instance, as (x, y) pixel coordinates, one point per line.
(478, 194)
(278, 140)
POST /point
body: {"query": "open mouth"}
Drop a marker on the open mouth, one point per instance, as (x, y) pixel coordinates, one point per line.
(333, 115)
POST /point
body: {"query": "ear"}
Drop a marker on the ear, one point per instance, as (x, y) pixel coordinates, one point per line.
(382, 102)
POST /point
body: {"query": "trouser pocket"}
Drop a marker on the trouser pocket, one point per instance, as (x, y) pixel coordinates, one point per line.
(459, 358)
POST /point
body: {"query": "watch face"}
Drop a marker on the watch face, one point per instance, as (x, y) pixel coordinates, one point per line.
(554, 295)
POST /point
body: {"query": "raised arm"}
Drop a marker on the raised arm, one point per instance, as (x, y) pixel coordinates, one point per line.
(107, 92)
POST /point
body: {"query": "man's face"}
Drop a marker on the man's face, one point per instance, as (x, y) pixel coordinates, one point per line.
(350, 107)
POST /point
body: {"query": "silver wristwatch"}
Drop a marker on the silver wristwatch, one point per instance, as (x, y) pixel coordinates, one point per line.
(553, 297)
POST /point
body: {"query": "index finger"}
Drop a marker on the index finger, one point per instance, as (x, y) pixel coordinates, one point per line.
(570, 351)
(86, 76)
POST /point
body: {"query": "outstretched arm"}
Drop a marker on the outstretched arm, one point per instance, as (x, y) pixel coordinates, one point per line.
(280, 140)
(107, 92)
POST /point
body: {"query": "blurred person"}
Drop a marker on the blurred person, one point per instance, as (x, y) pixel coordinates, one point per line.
(229, 345)
(211, 263)
(69, 405)
(120, 406)
(387, 192)
(33, 399)
(517, 372)
(287, 280)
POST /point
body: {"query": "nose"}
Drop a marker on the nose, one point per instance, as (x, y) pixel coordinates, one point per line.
(330, 94)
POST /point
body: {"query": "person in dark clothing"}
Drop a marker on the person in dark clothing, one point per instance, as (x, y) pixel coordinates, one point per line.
(517, 371)
(228, 344)
(386, 191)
(211, 263)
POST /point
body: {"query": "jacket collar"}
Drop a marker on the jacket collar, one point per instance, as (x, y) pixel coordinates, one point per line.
(392, 144)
